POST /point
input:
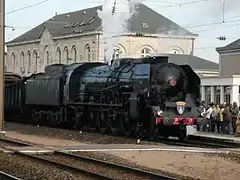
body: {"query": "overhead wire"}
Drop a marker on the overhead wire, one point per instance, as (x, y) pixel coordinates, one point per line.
(189, 26)
(161, 31)
(26, 7)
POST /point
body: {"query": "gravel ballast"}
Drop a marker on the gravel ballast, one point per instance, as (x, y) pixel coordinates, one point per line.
(86, 137)
(27, 169)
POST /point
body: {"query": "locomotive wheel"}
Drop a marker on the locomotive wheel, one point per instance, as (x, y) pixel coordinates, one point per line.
(114, 122)
(37, 118)
(53, 121)
(75, 120)
(183, 135)
(126, 125)
(102, 123)
(92, 123)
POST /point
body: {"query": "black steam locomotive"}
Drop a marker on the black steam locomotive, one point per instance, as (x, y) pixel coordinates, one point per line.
(147, 95)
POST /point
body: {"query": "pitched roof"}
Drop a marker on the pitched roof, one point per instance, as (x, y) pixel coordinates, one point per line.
(233, 45)
(195, 62)
(87, 20)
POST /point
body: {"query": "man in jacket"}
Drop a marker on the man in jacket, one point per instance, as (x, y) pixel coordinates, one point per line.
(226, 119)
(208, 116)
(215, 117)
(234, 111)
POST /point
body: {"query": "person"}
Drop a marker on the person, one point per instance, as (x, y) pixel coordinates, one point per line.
(234, 112)
(215, 117)
(201, 110)
(208, 116)
(237, 134)
(220, 119)
(226, 119)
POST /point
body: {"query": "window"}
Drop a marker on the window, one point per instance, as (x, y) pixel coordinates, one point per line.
(74, 53)
(145, 52)
(227, 94)
(144, 25)
(117, 53)
(66, 54)
(47, 57)
(22, 69)
(175, 50)
(13, 62)
(29, 61)
(59, 55)
(207, 94)
(35, 58)
(217, 94)
(88, 53)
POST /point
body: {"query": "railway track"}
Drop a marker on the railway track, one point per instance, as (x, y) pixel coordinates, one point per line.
(6, 176)
(12, 142)
(94, 168)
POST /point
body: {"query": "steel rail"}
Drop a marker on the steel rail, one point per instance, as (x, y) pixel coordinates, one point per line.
(123, 168)
(6, 176)
(134, 170)
(17, 142)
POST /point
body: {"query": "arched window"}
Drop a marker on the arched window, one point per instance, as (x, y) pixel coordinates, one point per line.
(35, 59)
(22, 69)
(13, 59)
(87, 52)
(29, 61)
(74, 53)
(47, 58)
(117, 52)
(175, 50)
(66, 54)
(59, 55)
(145, 52)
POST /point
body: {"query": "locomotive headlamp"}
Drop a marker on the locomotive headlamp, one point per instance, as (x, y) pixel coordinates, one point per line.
(159, 113)
(172, 82)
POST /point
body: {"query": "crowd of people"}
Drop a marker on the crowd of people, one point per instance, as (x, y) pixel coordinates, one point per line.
(220, 118)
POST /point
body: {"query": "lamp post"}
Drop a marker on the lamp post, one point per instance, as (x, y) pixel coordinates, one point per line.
(2, 55)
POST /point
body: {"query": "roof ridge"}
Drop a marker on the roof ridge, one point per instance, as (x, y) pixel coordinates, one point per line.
(155, 22)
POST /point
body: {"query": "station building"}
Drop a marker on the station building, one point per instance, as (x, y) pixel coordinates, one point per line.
(226, 86)
(78, 37)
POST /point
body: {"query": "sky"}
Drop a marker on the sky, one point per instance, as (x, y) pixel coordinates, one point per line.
(207, 18)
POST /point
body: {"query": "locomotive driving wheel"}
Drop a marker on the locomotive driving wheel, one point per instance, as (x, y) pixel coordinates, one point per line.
(183, 133)
(37, 117)
(114, 122)
(126, 124)
(93, 119)
(102, 123)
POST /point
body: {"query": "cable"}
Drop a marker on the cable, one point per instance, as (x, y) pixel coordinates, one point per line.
(162, 31)
(26, 7)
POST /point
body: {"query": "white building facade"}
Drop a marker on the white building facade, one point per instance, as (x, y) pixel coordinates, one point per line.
(31, 57)
(221, 89)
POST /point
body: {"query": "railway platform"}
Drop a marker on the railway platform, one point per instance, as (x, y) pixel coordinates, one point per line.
(213, 137)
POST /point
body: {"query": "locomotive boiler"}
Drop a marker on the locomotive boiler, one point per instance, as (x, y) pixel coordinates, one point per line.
(151, 93)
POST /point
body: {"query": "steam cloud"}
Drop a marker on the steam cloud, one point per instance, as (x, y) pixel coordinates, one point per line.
(115, 22)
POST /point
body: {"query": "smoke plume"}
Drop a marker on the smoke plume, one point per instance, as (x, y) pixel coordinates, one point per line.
(115, 15)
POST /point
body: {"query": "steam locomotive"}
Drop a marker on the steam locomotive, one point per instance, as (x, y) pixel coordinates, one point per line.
(147, 95)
